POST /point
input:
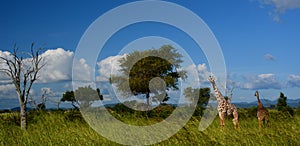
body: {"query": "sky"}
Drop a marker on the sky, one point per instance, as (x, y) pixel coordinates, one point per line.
(259, 40)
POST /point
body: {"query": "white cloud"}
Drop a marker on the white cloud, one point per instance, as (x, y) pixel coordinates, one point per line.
(107, 65)
(8, 91)
(203, 72)
(46, 89)
(58, 65)
(4, 78)
(269, 57)
(199, 71)
(82, 71)
(7, 87)
(262, 81)
(280, 6)
(293, 81)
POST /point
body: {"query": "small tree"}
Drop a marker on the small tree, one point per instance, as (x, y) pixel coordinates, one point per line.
(282, 105)
(69, 96)
(281, 102)
(84, 96)
(42, 104)
(23, 73)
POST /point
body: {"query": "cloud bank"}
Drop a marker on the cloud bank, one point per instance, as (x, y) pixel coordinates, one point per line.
(293, 81)
(262, 81)
(280, 6)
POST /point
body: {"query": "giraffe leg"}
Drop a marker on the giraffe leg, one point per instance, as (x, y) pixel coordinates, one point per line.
(235, 120)
(222, 118)
(267, 120)
(259, 122)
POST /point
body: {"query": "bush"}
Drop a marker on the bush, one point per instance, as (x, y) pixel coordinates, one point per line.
(288, 110)
(73, 115)
(248, 112)
(11, 118)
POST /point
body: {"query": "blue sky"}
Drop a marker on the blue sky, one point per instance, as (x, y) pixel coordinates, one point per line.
(259, 39)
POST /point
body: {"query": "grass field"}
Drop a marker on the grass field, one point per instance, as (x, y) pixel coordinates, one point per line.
(68, 128)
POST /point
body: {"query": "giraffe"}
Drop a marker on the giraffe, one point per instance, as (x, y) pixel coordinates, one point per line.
(262, 112)
(224, 106)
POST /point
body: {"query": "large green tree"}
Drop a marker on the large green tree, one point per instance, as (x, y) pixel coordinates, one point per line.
(155, 66)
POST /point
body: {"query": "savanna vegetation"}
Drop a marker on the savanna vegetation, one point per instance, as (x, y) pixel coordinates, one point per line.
(69, 128)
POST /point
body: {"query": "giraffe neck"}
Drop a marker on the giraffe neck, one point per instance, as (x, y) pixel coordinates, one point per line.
(219, 95)
(259, 103)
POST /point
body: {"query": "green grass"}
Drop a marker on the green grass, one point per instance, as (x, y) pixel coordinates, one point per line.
(68, 128)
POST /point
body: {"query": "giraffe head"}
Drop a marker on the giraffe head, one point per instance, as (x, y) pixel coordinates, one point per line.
(211, 79)
(256, 94)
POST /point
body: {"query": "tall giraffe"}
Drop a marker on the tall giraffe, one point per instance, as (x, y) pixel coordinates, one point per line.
(224, 106)
(262, 112)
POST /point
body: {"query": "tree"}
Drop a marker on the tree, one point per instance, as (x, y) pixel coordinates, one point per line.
(42, 104)
(281, 102)
(158, 67)
(282, 105)
(83, 96)
(23, 73)
(69, 96)
(203, 98)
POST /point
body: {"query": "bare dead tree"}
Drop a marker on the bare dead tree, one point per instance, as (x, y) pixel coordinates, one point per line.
(42, 104)
(57, 102)
(23, 73)
(230, 90)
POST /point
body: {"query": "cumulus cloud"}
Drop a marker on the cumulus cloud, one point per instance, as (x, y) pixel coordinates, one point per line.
(200, 70)
(269, 57)
(58, 65)
(83, 70)
(262, 81)
(4, 78)
(107, 65)
(203, 73)
(293, 80)
(7, 87)
(8, 91)
(280, 6)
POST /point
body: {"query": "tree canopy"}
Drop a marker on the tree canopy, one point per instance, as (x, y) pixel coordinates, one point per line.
(151, 71)
(283, 106)
(83, 96)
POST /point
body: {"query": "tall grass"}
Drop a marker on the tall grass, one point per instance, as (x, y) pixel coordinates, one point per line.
(68, 128)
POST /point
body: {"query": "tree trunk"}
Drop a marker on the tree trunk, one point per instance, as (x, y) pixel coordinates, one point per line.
(23, 116)
(148, 100)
